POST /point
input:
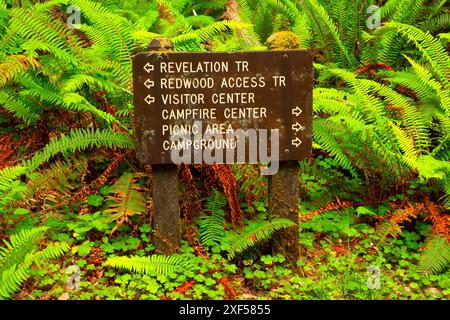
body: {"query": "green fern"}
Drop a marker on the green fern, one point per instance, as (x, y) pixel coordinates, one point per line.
(9, 174)
(212, 224)
(127, 198)
(435, 257)
(438, 23)
(13, 66)
(430, 47)
(19, 254)
(77, 140)
(257, 231)
(328, 31)
(155, 264)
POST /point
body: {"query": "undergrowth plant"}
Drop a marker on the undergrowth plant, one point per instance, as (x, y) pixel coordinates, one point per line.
(19, 254)
(381, 129)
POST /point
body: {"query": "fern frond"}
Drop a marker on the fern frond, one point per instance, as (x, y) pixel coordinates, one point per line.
(414, 122)
(127, 199)
(323, 135)
(257, 231)
(19, 254)
(15, 65)
(200, 21)
(325, 24)
(52, 251)
(439, 23)
(12, 279)
(8, 175)
(19, 246)
(299, 19)
(76, 102)
(111, 32)
(410, 153)
(77, 140)
(18, 108)
(187, 42)
(411, 81)
(155, 264)
(250, 180)
(80, 139)
(427, 78)
(212, 226)
(210, 31)
(435, 256)
(429, 46)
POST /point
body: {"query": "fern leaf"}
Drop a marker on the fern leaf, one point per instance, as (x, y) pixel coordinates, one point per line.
(257, 231)
(127, 199)
(155, 264)
(19, 254)
(430, 47)
(435, 257)
(13, 66)
(8, 175)
(324, 23)
(78, 139)
(212, 226)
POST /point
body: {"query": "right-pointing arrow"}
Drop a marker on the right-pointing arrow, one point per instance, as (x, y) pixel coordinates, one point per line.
(297, 111)
(296, 142)
(298, 127)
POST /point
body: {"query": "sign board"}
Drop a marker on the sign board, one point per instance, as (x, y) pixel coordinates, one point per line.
(209, 105)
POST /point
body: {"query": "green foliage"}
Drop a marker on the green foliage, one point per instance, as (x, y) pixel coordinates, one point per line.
(381, 110)
(155, 264)
(436, 255)
(78, 139)
(256, 231)
(19, 254)
(82, 224)
(127, 199)
(212, 224)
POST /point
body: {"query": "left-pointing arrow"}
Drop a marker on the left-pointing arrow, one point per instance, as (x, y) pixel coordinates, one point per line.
(149, 67)
(149, 99)
(296, 142)
(149, 83)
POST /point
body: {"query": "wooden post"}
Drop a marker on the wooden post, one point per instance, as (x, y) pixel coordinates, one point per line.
(284, 191)
(284, 187)
(166, 214)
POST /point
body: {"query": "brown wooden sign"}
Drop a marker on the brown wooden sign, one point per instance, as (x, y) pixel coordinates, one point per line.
(211, 102)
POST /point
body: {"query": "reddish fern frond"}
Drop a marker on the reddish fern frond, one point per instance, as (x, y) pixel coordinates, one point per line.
(440, 220)
(407, 92)
(7, 151)
(185, 287)
(229, 287)
(392, 225)
(229, 184)
(191, 236)
(328, 207)
(374, 67)
(191, 198)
